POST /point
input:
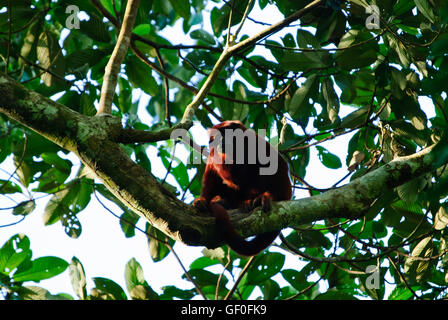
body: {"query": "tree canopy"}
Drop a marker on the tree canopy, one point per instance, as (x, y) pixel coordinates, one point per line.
(106, 81)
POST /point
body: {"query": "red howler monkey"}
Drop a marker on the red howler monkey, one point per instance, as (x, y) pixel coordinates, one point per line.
(236, 177)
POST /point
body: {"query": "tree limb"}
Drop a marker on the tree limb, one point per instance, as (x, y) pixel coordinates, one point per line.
(113, 66)
(93, 140)
(141, 136)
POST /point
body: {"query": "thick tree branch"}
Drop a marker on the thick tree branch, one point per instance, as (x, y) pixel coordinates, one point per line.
(113, 66)
(93, 140)
(140, 136)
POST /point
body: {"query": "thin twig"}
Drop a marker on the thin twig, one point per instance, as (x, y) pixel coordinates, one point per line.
(403, 278)
(222, 274)
(170, 164)
(13, 223)
(242, 273)
(311, 285)
(246, 12)
(167, 88)
(8, 52)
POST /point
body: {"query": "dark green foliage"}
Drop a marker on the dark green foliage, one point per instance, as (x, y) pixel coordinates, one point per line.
(324, 77)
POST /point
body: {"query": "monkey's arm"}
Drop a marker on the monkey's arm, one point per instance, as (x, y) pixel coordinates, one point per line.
(212, 187)
(211, 184)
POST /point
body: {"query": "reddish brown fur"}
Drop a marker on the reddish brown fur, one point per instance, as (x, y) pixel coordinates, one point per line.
(240, 186)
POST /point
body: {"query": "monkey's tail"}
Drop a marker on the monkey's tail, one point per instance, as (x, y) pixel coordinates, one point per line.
(234, 240)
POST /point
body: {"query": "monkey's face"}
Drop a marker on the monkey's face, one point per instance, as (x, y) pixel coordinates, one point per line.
(222, 136)
(232, 144)
(229, 142)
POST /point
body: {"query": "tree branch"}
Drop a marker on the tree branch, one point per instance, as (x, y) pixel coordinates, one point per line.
(94, 141)
(113, 66)
(141, 136)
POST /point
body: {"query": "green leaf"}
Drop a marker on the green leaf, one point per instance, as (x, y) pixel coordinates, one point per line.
(265, 267)
(356, 50)
(78, 278)
(24, 208)
(108, 289)
(400, 293)
(253, 76)
(41, 268)
(134, 274)
(50, 56)
(182, 7)
(332, 99)
(240, 111)
(128, 221)
(63, 165)
(140, 75)
(355, 118)
(299, 106)
(65, 204)
(87, 103)
(357, 87)
(270, 289)
(309, 239)
(402, 6)
(110, 7)
(170, 292)
(262, 3)
(334, 294)
(328, 159)
(425, 8)
(157, 249)
(180, 173)
(201, 60)
(142, 29)
(141, 292)
(301, 61)
(441, 218)
(439, 46)
(38, 293)
(87, 56)
(7, 186)
(219, 16)
(400, 50)
(203, 262)
(83, 195)
(56, 207)
(95, 29)
(416, 269)
(204, 278)
(135, 282)
(287, 136)
(202, 35)
(295, 278)
(14, 252)
(30, 40)
(409, 191)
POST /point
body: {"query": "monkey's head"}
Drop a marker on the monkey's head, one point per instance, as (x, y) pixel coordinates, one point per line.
(220, 128)
(228, 140)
